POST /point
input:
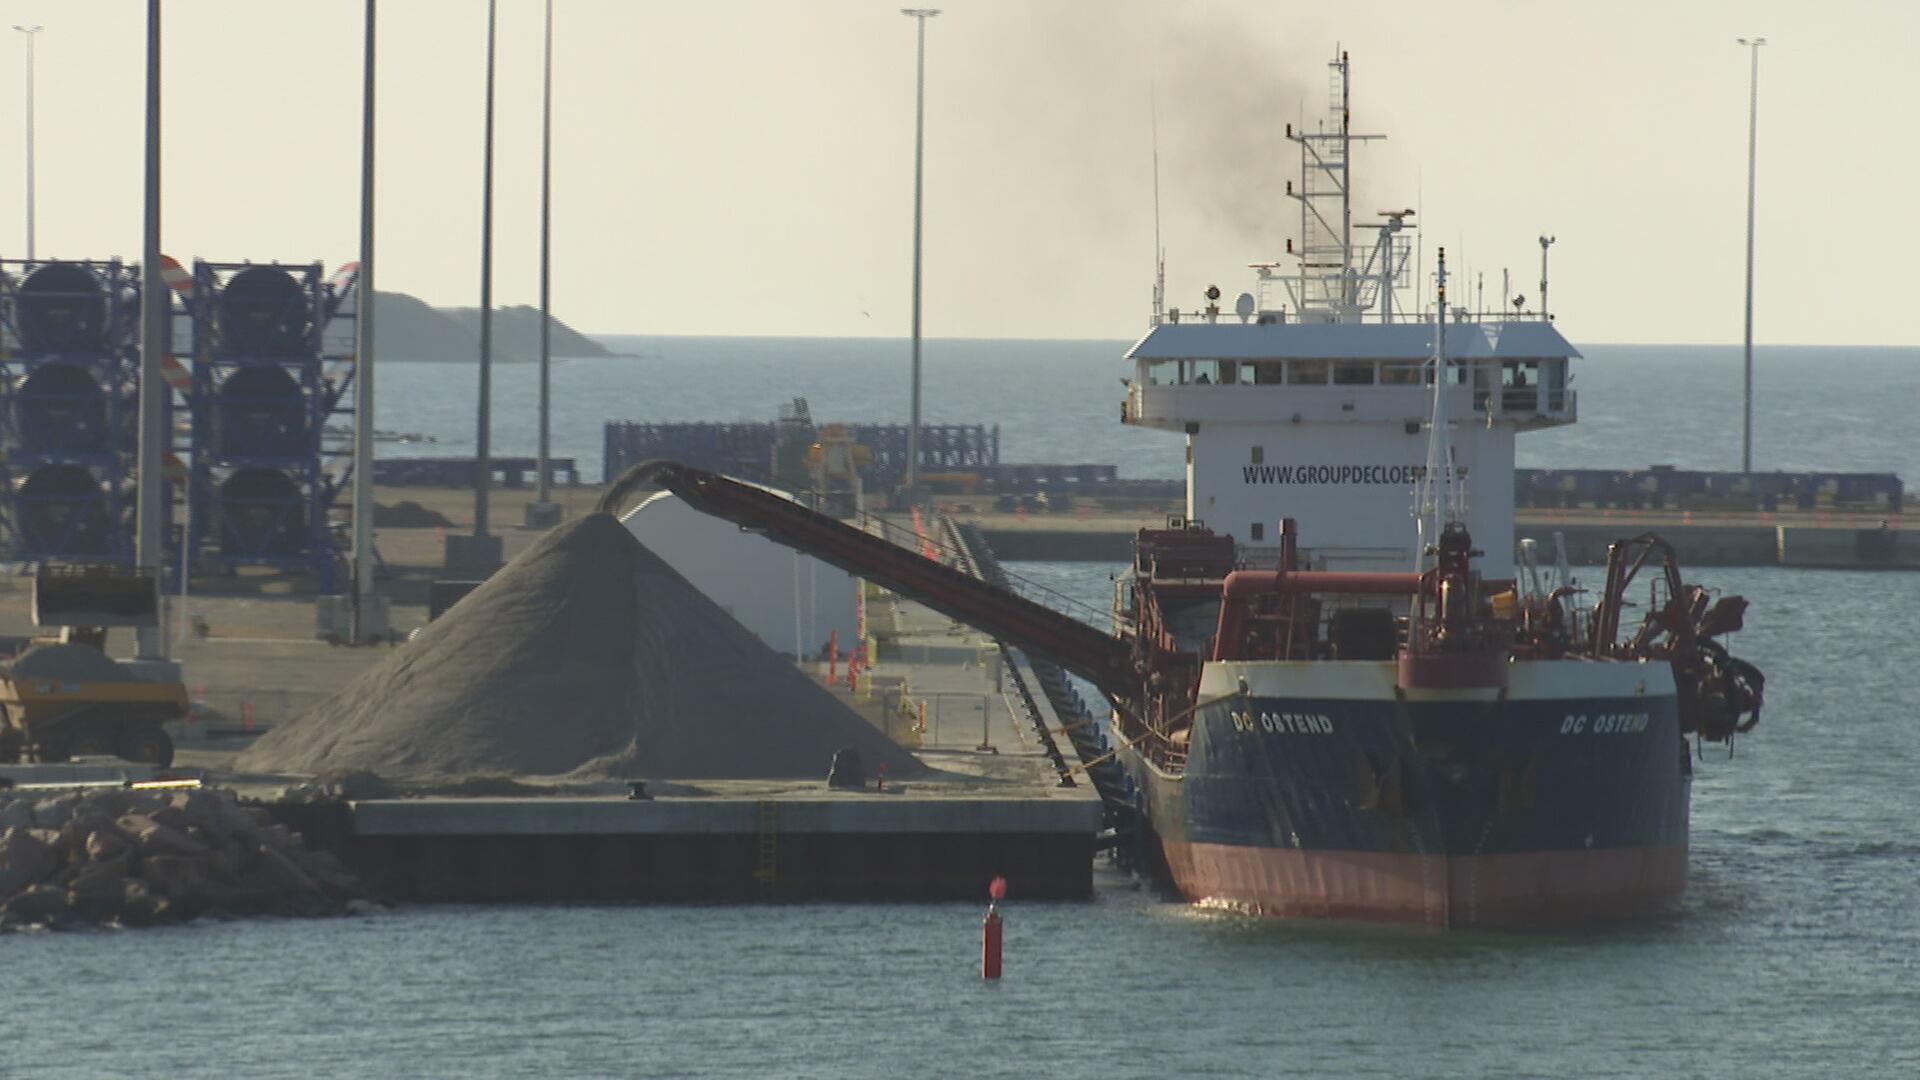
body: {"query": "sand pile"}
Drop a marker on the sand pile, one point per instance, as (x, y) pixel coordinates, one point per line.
(588, 656)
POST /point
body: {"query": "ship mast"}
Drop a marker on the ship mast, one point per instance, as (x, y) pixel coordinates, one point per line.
(1159, 251)
(1328, 288)
(1437, 500)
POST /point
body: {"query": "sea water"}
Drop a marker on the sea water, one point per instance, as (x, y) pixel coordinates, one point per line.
(1796, 954)
(1835, 409)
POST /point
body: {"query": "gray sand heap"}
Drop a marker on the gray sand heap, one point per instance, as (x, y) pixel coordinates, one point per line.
(586, 656)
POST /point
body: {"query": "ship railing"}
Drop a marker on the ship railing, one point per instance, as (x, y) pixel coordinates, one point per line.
(1267, 314)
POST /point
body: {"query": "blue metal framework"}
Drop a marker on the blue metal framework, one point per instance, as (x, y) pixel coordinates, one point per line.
(69, 376)
(268, 370)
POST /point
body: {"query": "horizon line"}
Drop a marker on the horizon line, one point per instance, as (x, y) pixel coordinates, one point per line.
(1019, 338)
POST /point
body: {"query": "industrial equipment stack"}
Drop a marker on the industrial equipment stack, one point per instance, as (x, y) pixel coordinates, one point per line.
(69, 373)
(270, 366)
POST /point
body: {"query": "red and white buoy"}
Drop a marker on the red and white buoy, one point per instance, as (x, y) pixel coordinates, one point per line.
(990, 930)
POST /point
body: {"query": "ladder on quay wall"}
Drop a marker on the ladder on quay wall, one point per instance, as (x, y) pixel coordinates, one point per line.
(766, 814)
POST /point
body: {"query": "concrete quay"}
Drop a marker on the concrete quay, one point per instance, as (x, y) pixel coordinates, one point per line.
(980, 814)
(857, 846)
(1807, 541)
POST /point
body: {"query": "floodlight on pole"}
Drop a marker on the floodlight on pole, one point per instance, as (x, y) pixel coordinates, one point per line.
(483, 429)
(32, 33)
(544, 489)
(365, 625)
(156, 334)
(920, 17)
(1753, 144)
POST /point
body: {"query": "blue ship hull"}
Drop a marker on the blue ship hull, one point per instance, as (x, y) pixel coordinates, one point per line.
(1456, 809)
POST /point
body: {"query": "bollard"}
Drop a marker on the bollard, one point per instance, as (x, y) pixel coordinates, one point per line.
(246, 716)
(880, 778)
(990, 930)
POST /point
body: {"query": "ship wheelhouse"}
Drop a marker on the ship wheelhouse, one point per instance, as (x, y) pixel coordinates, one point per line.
(1325, 423)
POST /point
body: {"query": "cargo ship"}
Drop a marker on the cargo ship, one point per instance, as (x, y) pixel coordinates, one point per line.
(1351, 711)
(1326, 701)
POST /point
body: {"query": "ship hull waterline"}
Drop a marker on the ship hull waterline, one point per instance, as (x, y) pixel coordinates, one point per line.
(1324, 791)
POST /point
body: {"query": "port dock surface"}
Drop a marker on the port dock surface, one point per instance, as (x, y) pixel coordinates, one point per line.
(980, 814)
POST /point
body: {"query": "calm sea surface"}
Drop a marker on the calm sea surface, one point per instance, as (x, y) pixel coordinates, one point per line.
(1797, 954)
(1059, 401)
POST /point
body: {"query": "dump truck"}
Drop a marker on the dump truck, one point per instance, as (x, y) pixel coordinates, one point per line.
(63, 696)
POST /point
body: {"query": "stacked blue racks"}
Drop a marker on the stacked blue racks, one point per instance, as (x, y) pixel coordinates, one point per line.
(69, 378)
(270, 365)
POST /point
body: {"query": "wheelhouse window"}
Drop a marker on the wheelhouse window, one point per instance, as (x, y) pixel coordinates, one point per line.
(1307, 372)
(1353, 373)
(1520, 386)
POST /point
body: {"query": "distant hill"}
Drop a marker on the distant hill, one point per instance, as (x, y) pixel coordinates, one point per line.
(410, 329)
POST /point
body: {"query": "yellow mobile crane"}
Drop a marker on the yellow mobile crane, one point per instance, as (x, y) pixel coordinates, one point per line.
(64, 696)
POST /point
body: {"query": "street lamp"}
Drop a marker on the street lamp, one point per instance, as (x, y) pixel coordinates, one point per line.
(32, 32)
(546, 514)
(1753, 144)
(483, 434)
(920, 17)
(368, 620)
(156, 335)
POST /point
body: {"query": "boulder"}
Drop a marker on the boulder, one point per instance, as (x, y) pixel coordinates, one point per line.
(193, 882)
(37, 903)
(53, 813)
(106, 843)
(332, 875)
(26, 858)
(173, 817)
(352, 784)
(140, 906)
(276, 870)
(204, 808)
(98, 889)
(155, 838)
(16, 813)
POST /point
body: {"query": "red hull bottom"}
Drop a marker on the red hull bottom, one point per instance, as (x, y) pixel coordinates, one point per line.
(1538, 888)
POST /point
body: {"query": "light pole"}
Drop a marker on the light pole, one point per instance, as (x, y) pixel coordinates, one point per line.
(156, 332)
(920, 17)
(32, 32)
(1753, 145)
(366, 624)
(482, 464)
(543, 497)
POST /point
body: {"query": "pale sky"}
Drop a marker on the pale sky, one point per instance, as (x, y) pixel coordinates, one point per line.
(746, 167)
